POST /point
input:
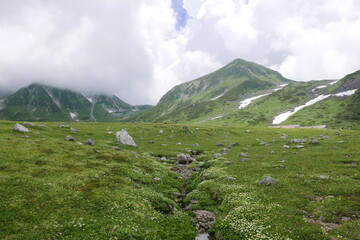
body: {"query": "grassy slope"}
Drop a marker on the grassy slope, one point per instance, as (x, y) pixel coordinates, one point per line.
(55, 189)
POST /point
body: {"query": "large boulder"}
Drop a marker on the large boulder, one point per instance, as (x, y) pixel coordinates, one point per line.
(20, 128)
(267, 181)
(123, 137)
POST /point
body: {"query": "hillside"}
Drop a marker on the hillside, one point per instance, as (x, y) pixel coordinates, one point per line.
(217, 91)
(44, 103)
(51, 188)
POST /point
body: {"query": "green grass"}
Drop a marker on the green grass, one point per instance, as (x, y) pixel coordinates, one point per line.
(54, 189)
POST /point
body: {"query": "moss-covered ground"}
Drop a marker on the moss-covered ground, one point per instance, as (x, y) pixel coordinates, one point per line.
(55, 189)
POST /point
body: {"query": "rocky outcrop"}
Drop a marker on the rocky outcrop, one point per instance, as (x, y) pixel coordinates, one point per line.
(123, 137)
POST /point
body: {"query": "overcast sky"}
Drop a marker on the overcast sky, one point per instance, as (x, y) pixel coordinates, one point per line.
(139, 49)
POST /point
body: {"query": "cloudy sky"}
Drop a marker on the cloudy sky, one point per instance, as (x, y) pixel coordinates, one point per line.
(139, 49)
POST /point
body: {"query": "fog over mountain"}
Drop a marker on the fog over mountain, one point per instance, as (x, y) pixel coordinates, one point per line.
(140, 49)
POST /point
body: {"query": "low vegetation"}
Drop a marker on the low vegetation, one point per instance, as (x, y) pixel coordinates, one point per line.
(51, 188)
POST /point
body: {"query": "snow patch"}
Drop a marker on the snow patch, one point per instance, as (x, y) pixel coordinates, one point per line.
(282, 117)
(216, 117)
(319, 87)
(214, 98)
(1, 104)
(90, 99)
(334, 82)
(247, 101)
(73, 115)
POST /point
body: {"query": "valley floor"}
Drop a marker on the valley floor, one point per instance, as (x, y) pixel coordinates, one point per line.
(51, 188)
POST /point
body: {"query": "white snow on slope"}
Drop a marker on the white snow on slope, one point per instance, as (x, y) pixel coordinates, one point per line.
(247, 101)
(1, 103)
(73, 115)
(282, 117)
(220, 116)
(334, 82)
(214, 98)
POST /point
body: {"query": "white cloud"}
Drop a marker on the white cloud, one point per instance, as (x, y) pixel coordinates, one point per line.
(133, 49)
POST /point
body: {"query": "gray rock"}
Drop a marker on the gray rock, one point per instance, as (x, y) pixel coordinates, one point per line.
(185, 128)
(272, 152)
(219, 144)
(64, 126)
(243, 154)
(184, 158)
(20, 128)
(284, 136)
(116, 148)
(243, 159)
(228, 162)
(299, 146)
(325, 137)
(295, 140)
(286, 146)
(25, 136)
(217, 155)
(245, 149)
(29, 124)
(262, 143)
(230, 178)
(233, 144)
(225, 150)
(161, 131)
(341, 142)
(151, 142)
(315, 142)
(195, 145)
(109, 132)
(324, 177)
(205, 220)
(89, 142)
(123, 137)
(163, 158)
(179, 143)
(73, 130)
(267, 181)
(69, 138)
(248, 131)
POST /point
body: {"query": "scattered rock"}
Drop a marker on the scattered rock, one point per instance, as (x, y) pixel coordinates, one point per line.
(299, 146)
(286, 146)
(243, 159)
(225, 150)
(179, 143)
(124, 138)
(219, 144)
(64, 126)
(20, 128)
(176, 194)
(324, 177)
(184, 158)
(341, 142)
(25, 136)
(73, 130)
(205, 220)
(185, 128)
(29, 124)
(324, 137)
(262, 143)
(109, 132)
(228, 162)
(217, 155)
(298, 140)
(161, 131)
(79, 143)
(157, 179)
(89, 142)
(243, 154)
(315, 142)
(267, 181)
(230, 178)
(272, 152)
(233, 144)
(284, 136)
(248, 131)
(151, 142)
(116, 148)
(245, 149)
(69, 138)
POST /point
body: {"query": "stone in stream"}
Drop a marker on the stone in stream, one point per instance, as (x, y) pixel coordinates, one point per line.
(20, 128)
(123, 137)
(184, 158)
(267, 181)
(205, 220)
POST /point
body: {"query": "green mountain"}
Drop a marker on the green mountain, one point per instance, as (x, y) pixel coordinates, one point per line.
(214, 93)
(44, 103)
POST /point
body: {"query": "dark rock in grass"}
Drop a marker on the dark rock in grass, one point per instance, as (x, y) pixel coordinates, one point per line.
(243, 159)
(185, 128)
(151, 142)
(233, 144)
(29, 124)
(315, 142)
(176, 194)
(267, 181)
(217, 155)
(20, 128)
(123, 137)
(25, 136)
(89, 142)
(116, 148)
(228, 162)
(284, 136)
(245, 149)
(64, 126)
(205, 220)
(219, 144)
(324, 137)
(225, 150)
(69, 138)
(184, 158)
(230, 178)
(243, 154)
